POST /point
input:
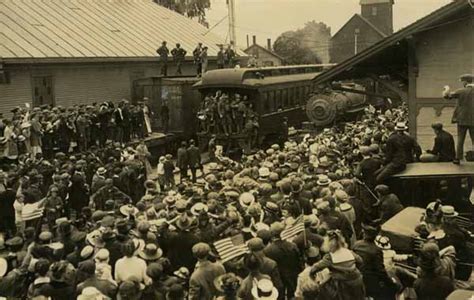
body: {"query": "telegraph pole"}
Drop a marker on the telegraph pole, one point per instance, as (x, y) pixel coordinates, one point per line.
(232, 35)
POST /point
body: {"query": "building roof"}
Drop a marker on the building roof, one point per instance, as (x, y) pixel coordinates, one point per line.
(347, 67)
(61, 30)
(358, 16)
(365, 2)
(264, 49)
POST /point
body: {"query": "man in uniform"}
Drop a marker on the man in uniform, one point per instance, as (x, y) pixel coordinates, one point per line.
(221, 57)
(197, 59)
(230, 56)
(464, 112)
(178, 55)
(163, 52)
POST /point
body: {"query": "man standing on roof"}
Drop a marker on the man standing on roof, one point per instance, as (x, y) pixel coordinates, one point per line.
(230, 56)
(221, 57)
(464, 113)
(179, 55)
(163, 52)
(197, 59)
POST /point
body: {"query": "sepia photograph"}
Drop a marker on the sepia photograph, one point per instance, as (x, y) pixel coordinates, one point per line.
(237, 149)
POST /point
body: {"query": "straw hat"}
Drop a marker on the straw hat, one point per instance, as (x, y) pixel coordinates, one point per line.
(151, 252)
(128, 210)
(198, 208)
(449, 211)
(264, 290)
(383, 242)
(90, 293)
(246, 199)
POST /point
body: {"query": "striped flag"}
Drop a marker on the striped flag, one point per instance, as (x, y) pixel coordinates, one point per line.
(232, 247)
(32, 211)
(292, 231)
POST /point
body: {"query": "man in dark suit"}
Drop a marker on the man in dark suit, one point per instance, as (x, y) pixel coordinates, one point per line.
(464, 112)
(194, 159)
(182, 161)
(400, 150)
(269, 266)
(378, 284)
(287, 256)
(443, 148)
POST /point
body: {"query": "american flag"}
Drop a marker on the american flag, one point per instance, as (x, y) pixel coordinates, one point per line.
(231, 247)
(292, 231)
(32, 211)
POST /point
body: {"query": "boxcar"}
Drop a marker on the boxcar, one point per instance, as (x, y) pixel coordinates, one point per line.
(182, 101)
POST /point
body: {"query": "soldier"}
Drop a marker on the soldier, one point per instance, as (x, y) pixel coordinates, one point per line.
(221, 57)
(197, 59)
(179, 55)
(163, 52)
(230, 56)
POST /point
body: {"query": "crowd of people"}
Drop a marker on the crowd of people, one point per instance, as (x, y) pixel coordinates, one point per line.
(106, 227)
(226, 58)
(228, 114)
(47, 130)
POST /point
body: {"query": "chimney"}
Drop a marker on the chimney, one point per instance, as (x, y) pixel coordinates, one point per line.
(248, 45)
(269, 44)
(254, 38)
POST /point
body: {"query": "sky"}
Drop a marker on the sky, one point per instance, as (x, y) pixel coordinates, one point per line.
(270, 18)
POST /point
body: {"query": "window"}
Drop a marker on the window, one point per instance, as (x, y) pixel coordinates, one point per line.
(374, 11)
(43, 90)
(284, 96)
(278, 105)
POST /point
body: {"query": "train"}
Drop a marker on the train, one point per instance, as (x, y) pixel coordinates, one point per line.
(274, 93)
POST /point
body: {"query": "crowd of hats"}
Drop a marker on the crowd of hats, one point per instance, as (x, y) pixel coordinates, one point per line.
(250, 197)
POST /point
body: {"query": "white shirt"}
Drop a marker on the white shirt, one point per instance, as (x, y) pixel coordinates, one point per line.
(128, 267)
(18, 206)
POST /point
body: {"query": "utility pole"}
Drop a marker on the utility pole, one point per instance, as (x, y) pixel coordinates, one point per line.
(232, 35)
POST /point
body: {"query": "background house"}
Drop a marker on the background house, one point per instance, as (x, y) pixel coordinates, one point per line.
(265, 57)
(363, 30)
(71, 52)
(426, 55)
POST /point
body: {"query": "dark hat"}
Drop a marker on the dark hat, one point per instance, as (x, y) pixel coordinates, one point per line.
(78, 236)
(201, 250)
(14, 242)
(227, 283)
(467, 77)
(87, 266)
(150, 252)
(437, 126)
(154, 271)
(255, 244)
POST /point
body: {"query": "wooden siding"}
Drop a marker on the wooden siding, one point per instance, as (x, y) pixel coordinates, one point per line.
(443, 54)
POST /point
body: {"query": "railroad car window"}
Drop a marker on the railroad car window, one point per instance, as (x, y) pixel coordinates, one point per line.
(291, 96)
(278, 105)
(266, 102)
(284, 96)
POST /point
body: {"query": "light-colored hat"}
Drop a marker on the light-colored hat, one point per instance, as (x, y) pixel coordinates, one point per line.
(264, 290)
(182, 273)
(87, 252)
(90, 293)
(198, 208)
(102, 255)
(383, 242)
(3, 267)
(151, 252)
(263, 172)
(246, 199)
(323, 180)
(101, 171)
(449, 211)
(128, 210)
(401, 126)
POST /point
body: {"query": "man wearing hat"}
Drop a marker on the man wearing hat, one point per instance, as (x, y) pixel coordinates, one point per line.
(178, 55)
(378, 284)
(287, 256)
(194, 159)
(443, 149)
(388, 203)
(400, 149)
(88, 269)
(268, 266)
(163, 52)
(463, 115)
(182, 161)
(201, 283)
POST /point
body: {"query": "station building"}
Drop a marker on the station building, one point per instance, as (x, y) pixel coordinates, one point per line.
(423, 57)
(66, 52)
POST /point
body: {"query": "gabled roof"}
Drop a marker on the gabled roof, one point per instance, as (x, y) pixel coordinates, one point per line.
(358, 16)
(424, 23)
(264, 49)
(98, 29)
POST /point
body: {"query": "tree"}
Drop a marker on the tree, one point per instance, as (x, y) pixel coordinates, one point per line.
(309, 44)
(190, 8)
(289, 45)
